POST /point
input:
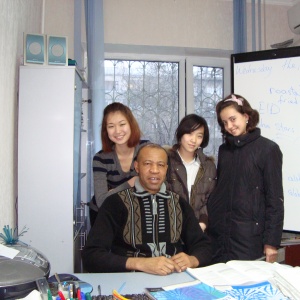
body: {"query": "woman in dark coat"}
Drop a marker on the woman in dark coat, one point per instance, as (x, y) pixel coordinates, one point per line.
(191, 173)
(246, 208)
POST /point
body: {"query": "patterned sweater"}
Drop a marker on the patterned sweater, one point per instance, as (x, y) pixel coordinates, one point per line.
(134, 223)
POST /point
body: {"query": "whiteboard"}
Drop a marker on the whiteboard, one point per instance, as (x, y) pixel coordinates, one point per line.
(270, 81)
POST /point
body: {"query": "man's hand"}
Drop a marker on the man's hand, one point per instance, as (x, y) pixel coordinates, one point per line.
(271, 253)
(185, 261)
(153, 265)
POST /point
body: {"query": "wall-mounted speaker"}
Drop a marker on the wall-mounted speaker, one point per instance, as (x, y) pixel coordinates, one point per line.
(34, 48)
(57, 50)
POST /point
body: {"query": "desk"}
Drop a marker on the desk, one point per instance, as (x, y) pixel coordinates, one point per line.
(135, 281)
(292, 255)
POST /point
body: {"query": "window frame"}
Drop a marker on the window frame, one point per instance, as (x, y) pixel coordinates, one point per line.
(206, 62)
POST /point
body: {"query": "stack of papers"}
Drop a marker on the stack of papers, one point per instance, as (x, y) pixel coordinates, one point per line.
(235, 272)
(288, 281)
(258, 279)
(290, 239)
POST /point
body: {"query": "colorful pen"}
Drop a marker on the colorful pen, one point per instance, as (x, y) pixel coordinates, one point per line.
(49, 294)
(61, 295)
(78, 294)
(71, 291)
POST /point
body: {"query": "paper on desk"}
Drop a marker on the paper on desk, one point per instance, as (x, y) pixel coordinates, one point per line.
(8, 251)
(288, 281)
(235, 272)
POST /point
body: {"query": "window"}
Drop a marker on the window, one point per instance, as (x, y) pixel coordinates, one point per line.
(155, 91)
(150, 89)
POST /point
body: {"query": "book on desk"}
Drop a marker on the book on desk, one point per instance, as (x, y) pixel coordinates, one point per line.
(198, 290)
(192, 291)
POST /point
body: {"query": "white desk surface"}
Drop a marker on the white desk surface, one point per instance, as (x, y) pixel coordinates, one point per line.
(132, 282)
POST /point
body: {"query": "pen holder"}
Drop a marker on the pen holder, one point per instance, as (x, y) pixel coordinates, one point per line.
(65, 287)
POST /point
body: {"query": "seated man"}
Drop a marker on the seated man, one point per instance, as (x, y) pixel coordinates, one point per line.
(146, 228)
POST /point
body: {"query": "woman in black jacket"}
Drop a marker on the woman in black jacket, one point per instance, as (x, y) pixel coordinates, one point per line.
(246, 208)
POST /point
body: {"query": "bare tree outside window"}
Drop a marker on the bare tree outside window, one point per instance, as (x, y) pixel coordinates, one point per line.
(208, 91)
(150, 89)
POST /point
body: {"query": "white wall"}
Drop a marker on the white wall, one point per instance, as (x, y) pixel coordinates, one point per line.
(176, 23)
(187, 23)
(16, 16)
(276, 25)
(59, 20)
